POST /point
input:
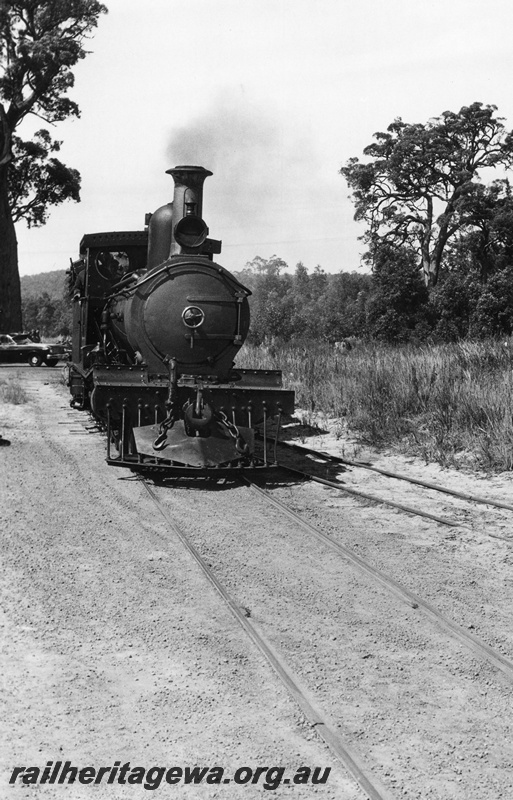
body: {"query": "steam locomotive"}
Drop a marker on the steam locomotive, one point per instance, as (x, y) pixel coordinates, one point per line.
(157, 324)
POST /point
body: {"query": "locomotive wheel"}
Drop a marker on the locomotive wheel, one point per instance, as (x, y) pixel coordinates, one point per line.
(35, 361)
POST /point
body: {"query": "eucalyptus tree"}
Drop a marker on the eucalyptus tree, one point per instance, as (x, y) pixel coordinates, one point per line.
(416, 187)
(40, 43)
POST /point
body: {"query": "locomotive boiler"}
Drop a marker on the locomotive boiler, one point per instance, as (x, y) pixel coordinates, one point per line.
(157, 325)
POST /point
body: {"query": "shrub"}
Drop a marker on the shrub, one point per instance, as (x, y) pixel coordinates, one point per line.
(11, 391)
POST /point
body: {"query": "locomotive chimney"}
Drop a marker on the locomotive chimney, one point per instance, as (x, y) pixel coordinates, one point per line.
(189, 230)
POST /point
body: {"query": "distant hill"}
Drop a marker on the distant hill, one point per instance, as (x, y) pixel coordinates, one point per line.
(52, 282)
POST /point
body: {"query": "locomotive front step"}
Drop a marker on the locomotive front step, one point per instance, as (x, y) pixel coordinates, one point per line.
(218, 449)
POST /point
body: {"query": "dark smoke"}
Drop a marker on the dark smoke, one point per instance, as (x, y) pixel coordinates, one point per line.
(230, 135)
(259, 168)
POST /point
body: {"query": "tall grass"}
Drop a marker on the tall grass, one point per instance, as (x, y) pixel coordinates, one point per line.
(452, 403)
(11, 391)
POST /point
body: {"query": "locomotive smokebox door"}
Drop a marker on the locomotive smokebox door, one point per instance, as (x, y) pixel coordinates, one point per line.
(191, 311)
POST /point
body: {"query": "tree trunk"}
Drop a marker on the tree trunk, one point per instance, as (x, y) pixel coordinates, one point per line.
(429, 267)
(426, 271)
(10, 292)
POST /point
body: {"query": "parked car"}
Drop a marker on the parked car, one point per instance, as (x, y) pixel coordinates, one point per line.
(25, 336)
(33, 353)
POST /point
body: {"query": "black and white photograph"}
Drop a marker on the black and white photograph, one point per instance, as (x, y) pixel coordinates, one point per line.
(256, 399)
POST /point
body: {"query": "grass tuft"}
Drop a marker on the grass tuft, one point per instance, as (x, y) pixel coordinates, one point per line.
(11, 391)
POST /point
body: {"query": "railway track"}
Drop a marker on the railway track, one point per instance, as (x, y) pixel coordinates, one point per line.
(327, 458)
(473, 643)
(309, 705)
(312, 709)
(303, 470)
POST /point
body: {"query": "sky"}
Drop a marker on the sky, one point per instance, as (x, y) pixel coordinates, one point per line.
(272, 96)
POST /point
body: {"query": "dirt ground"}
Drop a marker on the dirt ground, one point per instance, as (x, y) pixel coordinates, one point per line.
(117, 649)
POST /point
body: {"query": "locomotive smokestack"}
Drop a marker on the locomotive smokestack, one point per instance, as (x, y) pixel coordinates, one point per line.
(189, 229)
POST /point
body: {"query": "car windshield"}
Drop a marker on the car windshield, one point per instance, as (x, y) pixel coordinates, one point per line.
(5, 339)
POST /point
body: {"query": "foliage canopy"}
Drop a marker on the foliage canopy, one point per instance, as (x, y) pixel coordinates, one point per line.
(421, 185)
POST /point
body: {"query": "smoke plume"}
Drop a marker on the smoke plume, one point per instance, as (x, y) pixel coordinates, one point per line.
(259, 169)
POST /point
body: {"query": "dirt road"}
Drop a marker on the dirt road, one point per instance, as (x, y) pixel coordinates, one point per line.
(117, 650)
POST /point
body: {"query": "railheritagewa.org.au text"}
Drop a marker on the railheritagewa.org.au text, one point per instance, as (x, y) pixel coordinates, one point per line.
(151, 778)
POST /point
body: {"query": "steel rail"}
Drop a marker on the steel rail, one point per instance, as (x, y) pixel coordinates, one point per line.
(353, 763)
(343, 488)
(473, 643)
(399, 476)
